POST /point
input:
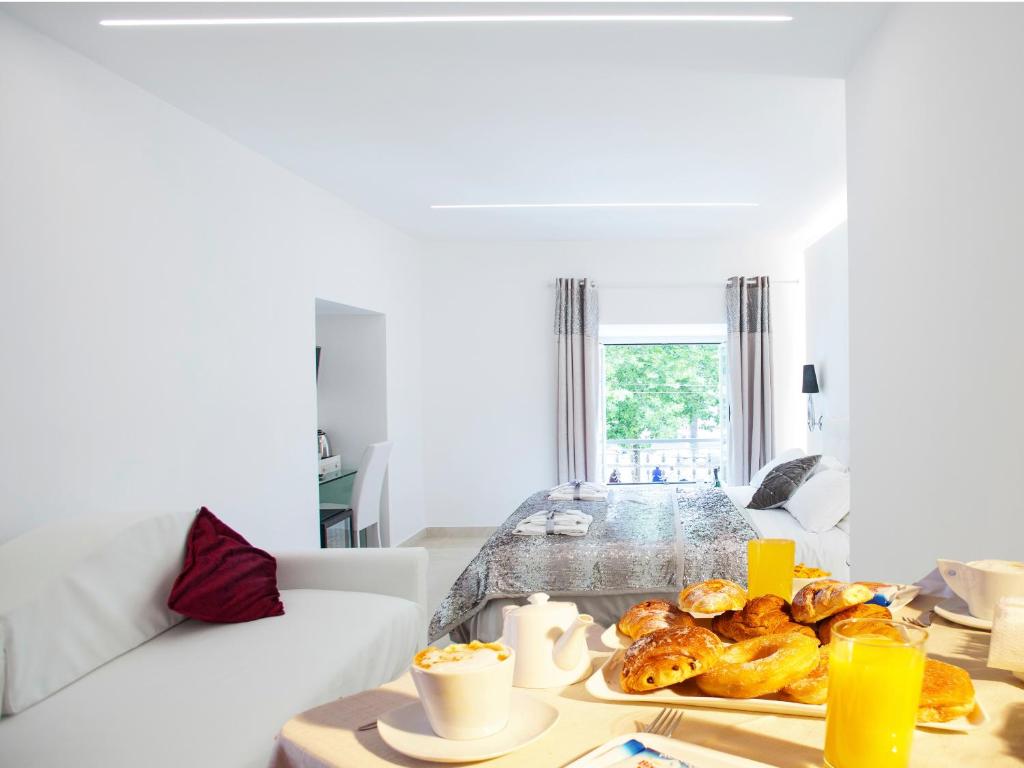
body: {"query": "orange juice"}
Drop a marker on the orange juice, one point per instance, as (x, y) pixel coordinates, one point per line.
(770, 567)
(874, 686)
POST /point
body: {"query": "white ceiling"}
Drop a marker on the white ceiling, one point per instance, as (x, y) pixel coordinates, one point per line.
(396, 118)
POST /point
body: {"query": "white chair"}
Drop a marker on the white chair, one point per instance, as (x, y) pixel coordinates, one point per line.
(367, 490)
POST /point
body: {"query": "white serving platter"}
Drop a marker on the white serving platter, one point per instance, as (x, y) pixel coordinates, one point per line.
(604, 684)
(681, 750)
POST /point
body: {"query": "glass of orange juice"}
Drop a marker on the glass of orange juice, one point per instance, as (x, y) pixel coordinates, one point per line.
(770, 567)
(874, 687)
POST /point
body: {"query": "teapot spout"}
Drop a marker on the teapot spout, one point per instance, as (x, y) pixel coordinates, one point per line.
(572, 645)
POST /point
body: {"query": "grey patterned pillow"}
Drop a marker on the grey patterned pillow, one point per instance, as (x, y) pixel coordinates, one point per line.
(782, 482)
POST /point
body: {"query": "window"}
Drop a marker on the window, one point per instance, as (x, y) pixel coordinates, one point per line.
(663, 413)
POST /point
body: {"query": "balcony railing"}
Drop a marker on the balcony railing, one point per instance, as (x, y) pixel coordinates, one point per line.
(678, 460)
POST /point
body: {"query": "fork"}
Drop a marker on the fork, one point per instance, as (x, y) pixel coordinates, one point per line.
(665, 723)
(915, 622)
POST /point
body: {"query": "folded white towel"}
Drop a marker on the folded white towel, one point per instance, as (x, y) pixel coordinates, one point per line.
(570, 522)
(578, 491)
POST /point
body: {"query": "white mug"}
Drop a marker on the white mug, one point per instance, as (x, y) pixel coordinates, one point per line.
(982, 582)
(469, 704)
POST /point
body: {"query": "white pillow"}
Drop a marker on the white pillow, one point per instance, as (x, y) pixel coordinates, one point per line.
(758, 477)
(822, 501)
(76, 594)
(829, 463)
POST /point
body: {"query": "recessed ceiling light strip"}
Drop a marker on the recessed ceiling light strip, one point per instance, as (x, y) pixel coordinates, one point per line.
(458, 206)
(475, 19)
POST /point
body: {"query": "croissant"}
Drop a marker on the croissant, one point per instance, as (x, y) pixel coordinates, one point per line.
(713, 596)
(823, 598)
(668, 656)
(764, 615)
(650, 615)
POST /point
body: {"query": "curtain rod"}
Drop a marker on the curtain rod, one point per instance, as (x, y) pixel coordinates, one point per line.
(613, 286)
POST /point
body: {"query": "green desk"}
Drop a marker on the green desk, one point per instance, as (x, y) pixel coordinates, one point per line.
(336, 488)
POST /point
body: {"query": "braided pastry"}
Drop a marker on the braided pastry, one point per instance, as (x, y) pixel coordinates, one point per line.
(668, 656)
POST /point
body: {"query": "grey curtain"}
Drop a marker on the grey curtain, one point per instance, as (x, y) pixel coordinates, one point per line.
(577, 387)
(751, 406)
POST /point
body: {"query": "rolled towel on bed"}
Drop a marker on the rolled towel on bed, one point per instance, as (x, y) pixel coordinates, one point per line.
(570, 522)
(579, 491)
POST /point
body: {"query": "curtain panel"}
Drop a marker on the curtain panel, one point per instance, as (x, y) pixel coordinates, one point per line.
(577, 386)
(751, 403)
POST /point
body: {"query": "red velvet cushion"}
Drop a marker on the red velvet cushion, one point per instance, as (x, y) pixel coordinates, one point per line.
(225, 579)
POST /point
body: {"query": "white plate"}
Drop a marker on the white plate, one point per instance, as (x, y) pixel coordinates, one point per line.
(681, 750)
(955, 610)
(604, 684)
(406, 730)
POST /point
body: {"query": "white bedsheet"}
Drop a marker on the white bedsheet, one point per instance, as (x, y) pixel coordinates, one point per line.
(829, 549)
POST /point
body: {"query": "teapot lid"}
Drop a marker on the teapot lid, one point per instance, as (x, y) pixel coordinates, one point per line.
(541, 602)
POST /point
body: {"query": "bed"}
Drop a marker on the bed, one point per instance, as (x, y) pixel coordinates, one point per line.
(646, 541)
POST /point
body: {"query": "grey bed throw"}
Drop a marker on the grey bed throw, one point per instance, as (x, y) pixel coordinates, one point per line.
(644, 539)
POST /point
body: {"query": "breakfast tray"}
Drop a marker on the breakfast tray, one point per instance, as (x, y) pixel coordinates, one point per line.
(604, 684)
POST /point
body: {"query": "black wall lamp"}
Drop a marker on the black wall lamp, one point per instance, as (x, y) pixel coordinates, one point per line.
(810, 389)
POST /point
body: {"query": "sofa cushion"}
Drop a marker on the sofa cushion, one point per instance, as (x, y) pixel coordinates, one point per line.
(76, 594)
(217, 694)
(224, 578)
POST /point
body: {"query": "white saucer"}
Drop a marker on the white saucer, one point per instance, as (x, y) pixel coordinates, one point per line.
(406, 730)
(955, 610)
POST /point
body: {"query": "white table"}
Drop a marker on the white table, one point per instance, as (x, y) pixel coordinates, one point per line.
(327, 737)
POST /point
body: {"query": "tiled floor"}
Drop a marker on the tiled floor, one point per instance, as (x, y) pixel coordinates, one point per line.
(449, 556)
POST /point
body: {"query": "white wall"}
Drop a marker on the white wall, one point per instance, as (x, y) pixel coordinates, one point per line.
(489, 374)
(935, 167)
(157, 310)
(827, 292)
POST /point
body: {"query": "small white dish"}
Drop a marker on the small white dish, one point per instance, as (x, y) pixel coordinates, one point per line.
(613, 640)
(955, 610)
(680, 750)
(406, 730)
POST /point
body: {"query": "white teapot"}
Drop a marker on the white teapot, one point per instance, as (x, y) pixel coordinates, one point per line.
(549, 640)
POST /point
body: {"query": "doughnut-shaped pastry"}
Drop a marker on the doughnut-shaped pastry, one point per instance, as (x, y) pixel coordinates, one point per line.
(650, 615)
(946, 693)
(760, 666)
(764, 615)
(862, 611)
(668, 656)
(812, 689)
(712, 596)
(825, 597)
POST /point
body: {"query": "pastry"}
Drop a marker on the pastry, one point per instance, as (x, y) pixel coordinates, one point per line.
(821, 599)
(650, 615)
(765, 615)
(712, 596)
(812, 689)
(761, 666)
(861, 611)
(801, 571)
(668, 656)
(946, 693)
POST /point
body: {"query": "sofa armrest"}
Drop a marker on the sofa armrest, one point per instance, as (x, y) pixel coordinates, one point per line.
(395, 572)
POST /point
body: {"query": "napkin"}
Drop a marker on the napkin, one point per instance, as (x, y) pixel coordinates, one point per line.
(1006, 649)
(570, 522)
(578, 491)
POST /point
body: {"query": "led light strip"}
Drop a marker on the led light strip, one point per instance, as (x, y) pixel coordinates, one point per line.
(479, 19)
(462, 206)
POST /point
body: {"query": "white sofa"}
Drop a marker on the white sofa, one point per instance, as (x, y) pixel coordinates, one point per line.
(216, 694)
